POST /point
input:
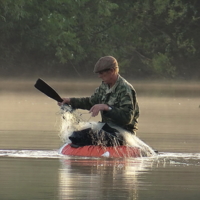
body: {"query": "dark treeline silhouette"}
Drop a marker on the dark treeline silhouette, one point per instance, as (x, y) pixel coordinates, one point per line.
(150, 38)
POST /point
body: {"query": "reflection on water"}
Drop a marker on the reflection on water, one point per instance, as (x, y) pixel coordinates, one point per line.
(127, 179)
(31, 168)
(131, 178)
(99, 179)
(34, 174)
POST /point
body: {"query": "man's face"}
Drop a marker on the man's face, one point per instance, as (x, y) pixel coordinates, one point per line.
(106, 76)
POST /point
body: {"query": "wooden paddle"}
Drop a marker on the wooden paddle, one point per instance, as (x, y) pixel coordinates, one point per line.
(46, 89)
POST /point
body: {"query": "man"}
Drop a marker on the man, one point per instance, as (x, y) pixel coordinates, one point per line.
(115, 98)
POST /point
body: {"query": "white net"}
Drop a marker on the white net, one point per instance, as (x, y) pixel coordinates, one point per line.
(72, 121)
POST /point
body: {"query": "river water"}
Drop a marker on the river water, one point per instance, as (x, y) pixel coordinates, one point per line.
(31, 168)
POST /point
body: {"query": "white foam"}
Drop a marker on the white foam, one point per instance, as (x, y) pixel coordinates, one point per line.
(106, 154)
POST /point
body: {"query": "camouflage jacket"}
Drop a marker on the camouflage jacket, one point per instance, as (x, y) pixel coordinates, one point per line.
(121, 97)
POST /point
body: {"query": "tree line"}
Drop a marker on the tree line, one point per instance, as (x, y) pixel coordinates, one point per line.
(149, 38)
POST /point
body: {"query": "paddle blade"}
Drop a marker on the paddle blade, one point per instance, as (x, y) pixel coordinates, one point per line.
(46, 89)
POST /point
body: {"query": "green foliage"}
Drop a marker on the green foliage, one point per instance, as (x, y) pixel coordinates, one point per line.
(149, 37)
(162, 65)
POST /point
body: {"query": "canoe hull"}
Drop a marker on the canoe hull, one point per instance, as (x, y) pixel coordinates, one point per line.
(99, 151)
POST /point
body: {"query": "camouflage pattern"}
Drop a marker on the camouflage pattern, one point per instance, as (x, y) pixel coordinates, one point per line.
(121, 97)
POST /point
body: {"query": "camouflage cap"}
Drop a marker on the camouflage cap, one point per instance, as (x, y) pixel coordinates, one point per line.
(104, 63)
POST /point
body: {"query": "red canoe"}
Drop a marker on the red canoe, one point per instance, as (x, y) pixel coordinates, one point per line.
(99, 151)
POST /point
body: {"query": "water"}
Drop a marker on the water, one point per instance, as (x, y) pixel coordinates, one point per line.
(31, 168)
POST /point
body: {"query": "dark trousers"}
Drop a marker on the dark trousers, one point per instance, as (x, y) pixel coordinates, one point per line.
(107, 136)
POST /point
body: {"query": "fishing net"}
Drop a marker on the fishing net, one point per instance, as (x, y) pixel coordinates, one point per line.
(74, 126)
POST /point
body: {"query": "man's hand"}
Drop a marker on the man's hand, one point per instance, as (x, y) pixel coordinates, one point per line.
(98, 107)
(65, 101)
